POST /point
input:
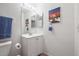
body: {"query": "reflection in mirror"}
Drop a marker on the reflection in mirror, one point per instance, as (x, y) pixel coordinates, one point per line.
(36, 21)
(39, 21)
(33, 25)
(33, 21)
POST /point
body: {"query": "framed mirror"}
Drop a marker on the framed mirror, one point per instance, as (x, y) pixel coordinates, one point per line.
(31, 18)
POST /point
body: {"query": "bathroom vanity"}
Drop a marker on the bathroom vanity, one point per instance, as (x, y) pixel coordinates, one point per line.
(32, 25)
(32, 45)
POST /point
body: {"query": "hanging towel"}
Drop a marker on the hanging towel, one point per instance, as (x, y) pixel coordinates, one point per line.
(5, 27)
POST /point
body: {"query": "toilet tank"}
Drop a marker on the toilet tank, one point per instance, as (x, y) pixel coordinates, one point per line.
(5, 48)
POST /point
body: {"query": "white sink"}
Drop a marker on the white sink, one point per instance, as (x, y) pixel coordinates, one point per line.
(31, 35)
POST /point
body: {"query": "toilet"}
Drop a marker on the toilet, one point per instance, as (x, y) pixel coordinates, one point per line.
(5, 48)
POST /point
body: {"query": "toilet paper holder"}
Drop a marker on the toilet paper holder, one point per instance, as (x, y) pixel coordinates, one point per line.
(18, 46)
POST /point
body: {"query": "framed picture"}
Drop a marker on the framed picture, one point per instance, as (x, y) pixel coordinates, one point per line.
(54, 15)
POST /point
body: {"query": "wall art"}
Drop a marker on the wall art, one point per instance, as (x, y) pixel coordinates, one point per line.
(54, 15)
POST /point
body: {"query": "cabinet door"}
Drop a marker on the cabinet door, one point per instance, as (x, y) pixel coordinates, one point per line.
(39, 45)
(35, 46)
(32, 47)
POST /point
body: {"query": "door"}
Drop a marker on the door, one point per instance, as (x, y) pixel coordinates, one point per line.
(76, 15)
(40, 45)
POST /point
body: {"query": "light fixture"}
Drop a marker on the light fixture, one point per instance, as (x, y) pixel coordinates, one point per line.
(33, 9)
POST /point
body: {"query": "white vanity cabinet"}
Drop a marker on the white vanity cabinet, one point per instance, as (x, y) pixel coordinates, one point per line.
(32, 46)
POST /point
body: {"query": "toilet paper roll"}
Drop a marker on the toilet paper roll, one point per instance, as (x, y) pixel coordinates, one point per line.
(18, 46)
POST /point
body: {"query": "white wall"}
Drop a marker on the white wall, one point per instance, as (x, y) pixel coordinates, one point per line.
(60, 42)
(14, 11)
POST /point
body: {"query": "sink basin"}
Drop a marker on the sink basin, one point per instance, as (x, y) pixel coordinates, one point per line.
(31, 35)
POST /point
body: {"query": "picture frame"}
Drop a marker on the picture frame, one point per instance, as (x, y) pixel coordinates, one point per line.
(54, 15)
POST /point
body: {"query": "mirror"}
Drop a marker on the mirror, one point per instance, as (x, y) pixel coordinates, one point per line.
(32, 19)
(36, 21)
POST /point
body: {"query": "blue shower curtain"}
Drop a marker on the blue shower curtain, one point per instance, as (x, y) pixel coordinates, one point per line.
(5, 27)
